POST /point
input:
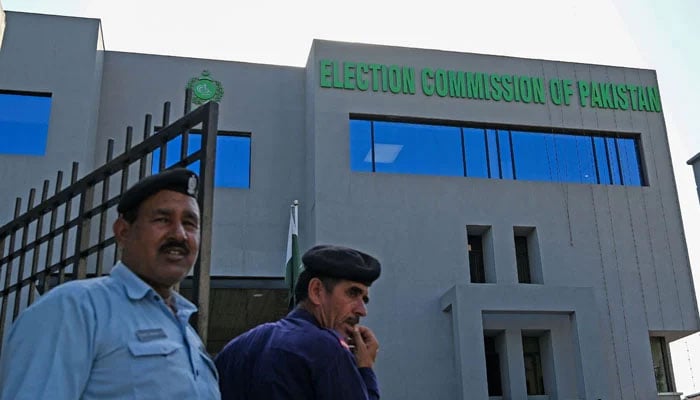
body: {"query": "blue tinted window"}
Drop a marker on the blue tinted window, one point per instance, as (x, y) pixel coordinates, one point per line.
(417, 149)
(24, 123)
(494, 153)
(534, 156)
(602, 161)
(631, 174)
(475, 149)
(232, 168)
(614, 160)
(361, 145)
(505, 154)
(574, 157)
(565, 156)
(553, 157)
(232, 165)
(586, 161)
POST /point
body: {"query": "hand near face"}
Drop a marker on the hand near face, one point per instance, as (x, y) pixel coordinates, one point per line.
(366, 346)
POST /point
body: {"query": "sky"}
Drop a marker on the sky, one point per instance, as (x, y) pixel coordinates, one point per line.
(660, 35)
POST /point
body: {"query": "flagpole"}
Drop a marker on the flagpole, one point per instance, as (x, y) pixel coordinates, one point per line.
(293, 260)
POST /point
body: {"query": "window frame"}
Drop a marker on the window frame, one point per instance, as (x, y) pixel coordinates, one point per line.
(508, 128)
(665, 364)
(539, 388)
(220, 133)
(45, 135)
(494, 379)
(522, 259)
(481, 264)
(475, 250)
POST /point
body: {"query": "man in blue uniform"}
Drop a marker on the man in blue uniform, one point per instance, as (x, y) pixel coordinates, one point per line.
(123, 336)
(307, 355)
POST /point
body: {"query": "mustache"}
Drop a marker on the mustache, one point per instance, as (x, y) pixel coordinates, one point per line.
(174, 244)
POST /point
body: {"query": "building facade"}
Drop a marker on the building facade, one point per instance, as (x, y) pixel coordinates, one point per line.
(525, 211)
(695, 163)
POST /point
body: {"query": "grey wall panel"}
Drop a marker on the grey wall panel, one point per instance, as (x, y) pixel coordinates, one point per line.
(593, 236)
(648, 274)
(556, 113)
(608, 345)
(265, 101)
(667, 281)
(587, 116)
(633, 302)
(613, 285)
(669, 209)
(601, 118)
(57, 55)
(575, 252)
(622, 118)
(308, 229)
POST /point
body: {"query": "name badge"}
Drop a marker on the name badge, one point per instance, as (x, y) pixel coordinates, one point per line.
(147, 335)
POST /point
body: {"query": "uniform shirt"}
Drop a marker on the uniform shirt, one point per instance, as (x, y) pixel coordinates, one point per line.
(106, 338)
(292, 359)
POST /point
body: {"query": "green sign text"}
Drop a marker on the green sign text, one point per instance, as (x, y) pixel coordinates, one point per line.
(397, 79)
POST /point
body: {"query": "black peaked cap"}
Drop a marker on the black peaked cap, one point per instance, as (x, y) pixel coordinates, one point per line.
(178, 180)
(341, 262)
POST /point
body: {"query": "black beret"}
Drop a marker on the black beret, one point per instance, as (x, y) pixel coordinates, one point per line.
(178, 180)
(341, 262)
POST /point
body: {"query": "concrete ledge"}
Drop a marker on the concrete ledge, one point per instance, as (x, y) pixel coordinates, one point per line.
(474, 307)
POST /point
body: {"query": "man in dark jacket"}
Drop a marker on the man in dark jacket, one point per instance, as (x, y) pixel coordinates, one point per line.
(318, 351)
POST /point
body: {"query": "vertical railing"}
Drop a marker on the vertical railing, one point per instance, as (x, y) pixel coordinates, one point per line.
(202, 269)
(36, 256)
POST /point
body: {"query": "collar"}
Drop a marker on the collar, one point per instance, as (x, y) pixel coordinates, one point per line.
(137, 289)
(300, 313)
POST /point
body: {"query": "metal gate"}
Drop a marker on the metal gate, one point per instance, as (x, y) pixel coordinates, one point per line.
(67, 235)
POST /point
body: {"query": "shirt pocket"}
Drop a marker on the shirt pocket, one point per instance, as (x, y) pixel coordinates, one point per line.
(159, 369)
(153, 348)
(157, 355)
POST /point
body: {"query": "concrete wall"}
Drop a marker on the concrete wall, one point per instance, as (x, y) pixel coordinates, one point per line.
(626, 243)
(61, 56)
(695, 163)
(250, 232)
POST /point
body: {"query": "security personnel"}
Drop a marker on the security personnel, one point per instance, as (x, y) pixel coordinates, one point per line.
(319, 351)
(126, 335)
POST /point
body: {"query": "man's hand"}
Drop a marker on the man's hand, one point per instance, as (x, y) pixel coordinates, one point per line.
(366, 346)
